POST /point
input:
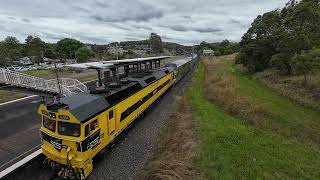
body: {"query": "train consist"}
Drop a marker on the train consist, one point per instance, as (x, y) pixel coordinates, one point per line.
(79, 127)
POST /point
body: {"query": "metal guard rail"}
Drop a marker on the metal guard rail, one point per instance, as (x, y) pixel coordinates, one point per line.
(68, 86)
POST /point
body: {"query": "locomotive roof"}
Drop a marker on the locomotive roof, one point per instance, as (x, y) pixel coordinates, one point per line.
(181, 62)
(111, 63)
(86, 106)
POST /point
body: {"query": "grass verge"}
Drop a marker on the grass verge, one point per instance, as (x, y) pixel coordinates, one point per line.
(6, 96)
(233, 149)
(87, 78)
(252, 101)
(292, 87)
(38, 73)
(176, 150)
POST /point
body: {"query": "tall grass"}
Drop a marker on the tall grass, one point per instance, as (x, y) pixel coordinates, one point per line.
(177, 150)
(221, 87)
(292, 87)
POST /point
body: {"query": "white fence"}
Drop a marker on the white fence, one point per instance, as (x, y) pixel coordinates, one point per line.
(67, 86)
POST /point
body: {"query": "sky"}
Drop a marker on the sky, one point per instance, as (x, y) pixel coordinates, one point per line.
(104, 21)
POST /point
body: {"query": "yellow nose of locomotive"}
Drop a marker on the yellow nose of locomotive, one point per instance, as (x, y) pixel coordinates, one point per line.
(61, 143)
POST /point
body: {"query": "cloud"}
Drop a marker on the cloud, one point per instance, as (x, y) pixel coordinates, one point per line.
(122, 11)
(102, 4)
(25, 20)
(105, 21)
(234, 21)
(196, 29)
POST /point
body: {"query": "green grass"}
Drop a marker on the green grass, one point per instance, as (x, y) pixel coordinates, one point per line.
(39, 73)
(6, 96)
(87, 78)
(232, 149)
(287, 117)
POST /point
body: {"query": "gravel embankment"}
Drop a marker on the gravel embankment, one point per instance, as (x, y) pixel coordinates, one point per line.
(129, 156)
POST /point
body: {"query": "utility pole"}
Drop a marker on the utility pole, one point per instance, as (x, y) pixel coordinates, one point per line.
(57, 76)
(192, 50)
(150, 44)
(117, 51)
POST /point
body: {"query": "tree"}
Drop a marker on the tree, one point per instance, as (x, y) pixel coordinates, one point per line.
(3, 55)
(156, 43)
(258, 43)
(83, 54)
(226, 47)
(34, 48)
(11, 42)
(306, 63)
(12, 47)
(66, 48)
(277, 36)
(281, 61)
(49, 51)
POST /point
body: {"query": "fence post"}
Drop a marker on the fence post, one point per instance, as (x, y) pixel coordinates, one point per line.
(18, 79)
(4, 75)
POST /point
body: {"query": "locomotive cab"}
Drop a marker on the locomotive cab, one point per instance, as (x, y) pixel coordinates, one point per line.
(62, 136)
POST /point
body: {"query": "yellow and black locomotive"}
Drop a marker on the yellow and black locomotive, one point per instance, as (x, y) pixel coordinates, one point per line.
(78, 127)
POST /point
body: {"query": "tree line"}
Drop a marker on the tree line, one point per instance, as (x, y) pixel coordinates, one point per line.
(12, 50)
(287, 39)
(36, 49)
(222, 48)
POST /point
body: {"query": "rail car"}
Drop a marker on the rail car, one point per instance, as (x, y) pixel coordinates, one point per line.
(81, 126)
(181, 68)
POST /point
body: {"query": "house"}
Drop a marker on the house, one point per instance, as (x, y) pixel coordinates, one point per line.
(47, 60)
(208, 52)
(142, 47)
(25, 61)
(140, 52)
(114, 50)
(71, 61)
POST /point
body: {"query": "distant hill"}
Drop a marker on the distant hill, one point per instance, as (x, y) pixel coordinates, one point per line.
(169, 47)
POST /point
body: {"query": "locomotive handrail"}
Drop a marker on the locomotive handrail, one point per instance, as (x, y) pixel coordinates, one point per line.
(68, 86)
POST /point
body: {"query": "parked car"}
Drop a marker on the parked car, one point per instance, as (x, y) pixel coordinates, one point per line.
(15, 68)
(33, 68)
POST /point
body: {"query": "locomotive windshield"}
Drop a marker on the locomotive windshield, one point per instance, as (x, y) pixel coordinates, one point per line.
(69, 129)
(49, 124)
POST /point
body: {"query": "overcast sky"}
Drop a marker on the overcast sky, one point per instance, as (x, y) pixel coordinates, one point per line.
(105, 21)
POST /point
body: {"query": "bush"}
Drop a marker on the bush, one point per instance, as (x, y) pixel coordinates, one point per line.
(306, 62)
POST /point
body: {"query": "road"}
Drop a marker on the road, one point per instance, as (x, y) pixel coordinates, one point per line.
(19, 127)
